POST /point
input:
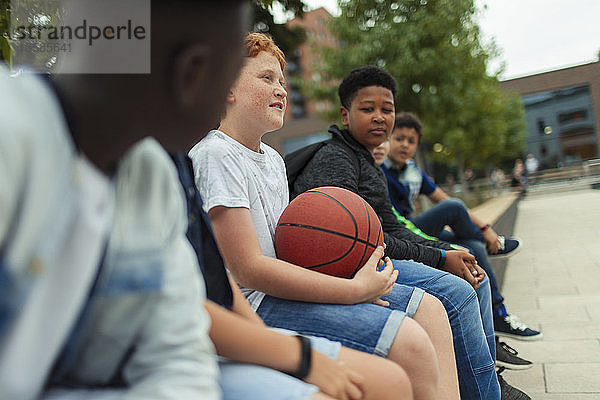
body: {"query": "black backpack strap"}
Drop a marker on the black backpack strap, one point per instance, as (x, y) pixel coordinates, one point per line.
(296, 161)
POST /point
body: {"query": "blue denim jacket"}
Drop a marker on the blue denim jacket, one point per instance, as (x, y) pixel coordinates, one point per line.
(143, 326)
(141, 321)
(47, 202)
(13, 293)
(125, 289)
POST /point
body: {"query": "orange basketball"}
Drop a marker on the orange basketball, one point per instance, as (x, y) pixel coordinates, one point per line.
(328, 229)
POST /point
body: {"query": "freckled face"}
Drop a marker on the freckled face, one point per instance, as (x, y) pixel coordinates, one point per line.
(259, 93)
(370, 118)
(403, 145)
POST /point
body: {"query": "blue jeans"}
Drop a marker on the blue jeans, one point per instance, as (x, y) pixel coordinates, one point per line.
(365, 327)
(237, 381)
(470, 316)
(453, 212)
(253, 382)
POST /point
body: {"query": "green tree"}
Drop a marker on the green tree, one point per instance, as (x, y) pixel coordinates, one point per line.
(287, 39)
(34, 15)
(433, 49)
(5, 49)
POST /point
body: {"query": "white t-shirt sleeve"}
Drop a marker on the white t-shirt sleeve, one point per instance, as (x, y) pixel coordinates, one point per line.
(219, 175)
(173, 357)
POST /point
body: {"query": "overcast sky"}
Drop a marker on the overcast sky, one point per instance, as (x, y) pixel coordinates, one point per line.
(533, 35)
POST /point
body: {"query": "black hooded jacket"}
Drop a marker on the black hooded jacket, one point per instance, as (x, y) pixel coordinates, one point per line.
(333, 166)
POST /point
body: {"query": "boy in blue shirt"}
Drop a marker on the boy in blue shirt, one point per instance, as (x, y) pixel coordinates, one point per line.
(406, 181)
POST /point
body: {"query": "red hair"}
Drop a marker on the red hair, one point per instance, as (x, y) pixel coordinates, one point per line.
(256, 42)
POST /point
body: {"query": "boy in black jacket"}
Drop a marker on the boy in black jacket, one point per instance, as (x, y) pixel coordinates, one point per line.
(367, 112)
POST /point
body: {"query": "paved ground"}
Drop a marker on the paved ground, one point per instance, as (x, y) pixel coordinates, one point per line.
(554, 284)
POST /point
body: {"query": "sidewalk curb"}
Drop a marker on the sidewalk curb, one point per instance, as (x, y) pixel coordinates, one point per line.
(504, 225)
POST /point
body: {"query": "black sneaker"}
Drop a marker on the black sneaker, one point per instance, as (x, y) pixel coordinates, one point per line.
(508, 392)
(507, 247)
(506, 357)
(510, 326)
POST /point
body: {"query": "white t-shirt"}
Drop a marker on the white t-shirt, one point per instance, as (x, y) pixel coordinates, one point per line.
(231, 175)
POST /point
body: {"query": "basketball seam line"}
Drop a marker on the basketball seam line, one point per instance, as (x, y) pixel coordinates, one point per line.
(327, 231)
(355, 238)
(360, 263)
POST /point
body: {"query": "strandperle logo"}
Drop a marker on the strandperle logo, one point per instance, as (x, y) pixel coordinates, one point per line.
(81, 36)
(85, 31)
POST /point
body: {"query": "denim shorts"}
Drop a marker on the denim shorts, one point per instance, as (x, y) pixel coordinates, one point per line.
(253, 382)
(365, 327)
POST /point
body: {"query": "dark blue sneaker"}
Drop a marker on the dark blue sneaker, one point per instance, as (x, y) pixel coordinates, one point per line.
(510, 326)
(507, 247)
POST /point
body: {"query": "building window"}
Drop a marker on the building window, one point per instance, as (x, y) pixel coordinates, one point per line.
(573, 116)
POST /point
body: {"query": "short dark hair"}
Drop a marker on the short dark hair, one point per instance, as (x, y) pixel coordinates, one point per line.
(409, 120)
(359, 78)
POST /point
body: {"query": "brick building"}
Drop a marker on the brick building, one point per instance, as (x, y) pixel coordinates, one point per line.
(563, 113)
(302, 122)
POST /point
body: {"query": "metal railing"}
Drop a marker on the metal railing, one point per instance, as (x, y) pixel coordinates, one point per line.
(479, 190)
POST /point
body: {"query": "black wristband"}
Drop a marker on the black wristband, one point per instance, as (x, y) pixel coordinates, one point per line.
(305, 358)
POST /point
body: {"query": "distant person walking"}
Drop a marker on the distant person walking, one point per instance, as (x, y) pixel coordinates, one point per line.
(497, 178)
(531, 166)
(519, 179)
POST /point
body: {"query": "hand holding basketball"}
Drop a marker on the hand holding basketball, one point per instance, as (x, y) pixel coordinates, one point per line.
(375, 281)
(329, 230)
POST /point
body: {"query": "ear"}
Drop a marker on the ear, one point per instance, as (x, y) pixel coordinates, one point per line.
(344, 114)
(230, 99)
(190, 75)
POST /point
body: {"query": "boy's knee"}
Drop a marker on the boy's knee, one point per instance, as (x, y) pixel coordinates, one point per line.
(412, 339)
(396, 381)
(417, 355)
(455, 207)
(456, 203)
(432, 306)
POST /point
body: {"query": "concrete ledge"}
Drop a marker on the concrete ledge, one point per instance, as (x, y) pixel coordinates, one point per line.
(501, 213)
(494, 209)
